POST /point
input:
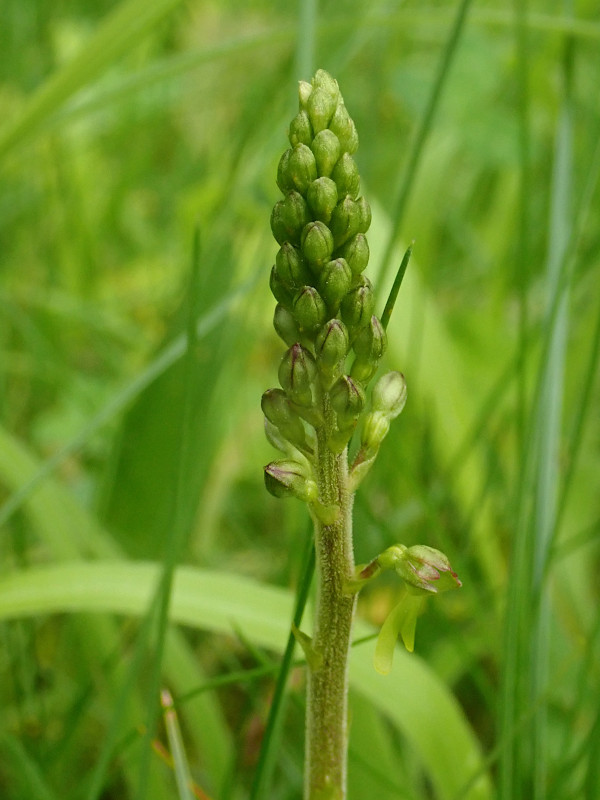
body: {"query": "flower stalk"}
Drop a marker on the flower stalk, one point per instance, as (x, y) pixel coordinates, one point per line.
(325, 315)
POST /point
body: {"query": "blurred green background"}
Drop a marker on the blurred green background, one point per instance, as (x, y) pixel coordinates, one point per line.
(124, 127)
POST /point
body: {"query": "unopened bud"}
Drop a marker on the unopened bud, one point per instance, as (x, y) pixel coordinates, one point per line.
(357, 306)
(375, 429)
(343, 127)
(284, 179)
(322, 197)
(371, 342)
(323, 80)
(281, 292)
(291, 266)
(363, 369)
(364, 210)
(310, 311)
(345, 220)
(320, 106)
(317, 244)
(334, 282)
(427, 569)
(331, 348)
(346, 176)
(288, 479)
(301, 167)
(304, 92)
(347, 400)
(301, 131)
(277, 409)
(297, 374)
(356, 253)
(289, 217)
(285, 325)
(389, 394)
(326, 149)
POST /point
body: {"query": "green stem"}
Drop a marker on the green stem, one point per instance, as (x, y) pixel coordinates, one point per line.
(327, 694)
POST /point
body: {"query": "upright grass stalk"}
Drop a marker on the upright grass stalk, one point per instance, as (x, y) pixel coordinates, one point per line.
(529, 615)
(423, 131)
(325, 312)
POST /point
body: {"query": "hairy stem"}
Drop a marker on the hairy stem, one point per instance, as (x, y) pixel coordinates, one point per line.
(327, 698)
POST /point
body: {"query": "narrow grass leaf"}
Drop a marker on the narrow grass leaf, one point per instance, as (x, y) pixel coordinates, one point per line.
(177, 748)
(423, 131)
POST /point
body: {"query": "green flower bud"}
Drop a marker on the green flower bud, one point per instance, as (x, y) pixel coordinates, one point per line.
(323, 80)
(297, 375)
(427, 569)
(301, 168)
(365, 215)
(357, 306)
(346, 220)
(343, 127)
(285, 325)
(345, 174)
(317, 244)
(289, 217)
(288, 479)
(331, 348)
(389, 394)
(276, 408)
(371, 342)
(363, 369)
(284, 179)
(322, 196)
(326, 149)
(332, 343)
(320, 105)
(375, 429)
(356, 253)
(291, 266)
(334, 282)
(310, 311)
(282, 293)
(275, 439)
(304, 92)
(301, 131)
(347, 400)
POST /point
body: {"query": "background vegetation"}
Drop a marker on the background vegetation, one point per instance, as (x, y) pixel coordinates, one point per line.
(130, 463)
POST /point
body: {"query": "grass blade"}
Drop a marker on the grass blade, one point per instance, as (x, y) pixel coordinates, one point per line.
(422, 134)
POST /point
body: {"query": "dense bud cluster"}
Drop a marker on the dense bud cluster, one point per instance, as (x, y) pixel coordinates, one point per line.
(325, 305)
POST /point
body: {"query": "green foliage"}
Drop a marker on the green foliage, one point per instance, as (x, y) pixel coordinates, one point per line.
(125, 124)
